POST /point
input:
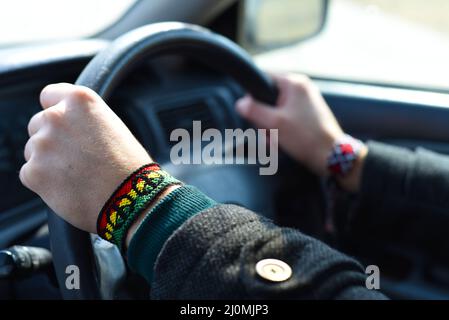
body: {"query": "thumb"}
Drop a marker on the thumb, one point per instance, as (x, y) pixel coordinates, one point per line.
(261, 115)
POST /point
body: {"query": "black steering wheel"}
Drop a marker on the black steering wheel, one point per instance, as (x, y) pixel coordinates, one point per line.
(100, 265)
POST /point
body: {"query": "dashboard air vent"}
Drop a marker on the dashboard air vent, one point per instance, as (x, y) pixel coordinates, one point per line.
(183, 117)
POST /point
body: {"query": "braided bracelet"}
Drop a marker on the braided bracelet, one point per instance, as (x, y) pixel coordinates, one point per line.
(133, 196)
(343, 156)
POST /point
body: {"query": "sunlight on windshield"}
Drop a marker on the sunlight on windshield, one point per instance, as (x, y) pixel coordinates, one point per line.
(24, 21)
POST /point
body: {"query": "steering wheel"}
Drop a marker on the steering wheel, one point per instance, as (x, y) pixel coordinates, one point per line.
(98, 264)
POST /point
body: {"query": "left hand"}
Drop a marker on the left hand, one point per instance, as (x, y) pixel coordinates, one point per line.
(79, 151)
(307, 127)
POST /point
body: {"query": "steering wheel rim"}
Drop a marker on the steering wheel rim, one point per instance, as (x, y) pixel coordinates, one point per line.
(71, 246)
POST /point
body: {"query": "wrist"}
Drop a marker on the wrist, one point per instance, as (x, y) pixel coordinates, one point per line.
(351, 182)
(131, 198)
(319, 161)
(345, 161)
(132, 229)
(160, 223)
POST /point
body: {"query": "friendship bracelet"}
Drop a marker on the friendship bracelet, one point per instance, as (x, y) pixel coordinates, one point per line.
(340, 162)
(133, 196)
(343, 156)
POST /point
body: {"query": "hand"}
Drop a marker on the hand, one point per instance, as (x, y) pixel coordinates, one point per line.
(79, 151)
(307, 126)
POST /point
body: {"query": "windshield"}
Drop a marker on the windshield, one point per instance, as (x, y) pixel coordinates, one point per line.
(393, 42)
(25, 21)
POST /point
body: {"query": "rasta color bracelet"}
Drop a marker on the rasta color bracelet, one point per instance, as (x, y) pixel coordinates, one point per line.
(133, 196)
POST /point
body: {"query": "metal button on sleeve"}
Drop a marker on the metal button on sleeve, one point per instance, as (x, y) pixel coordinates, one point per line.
(273, 270)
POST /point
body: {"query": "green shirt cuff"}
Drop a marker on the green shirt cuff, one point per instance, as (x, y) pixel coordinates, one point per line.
(160, 223)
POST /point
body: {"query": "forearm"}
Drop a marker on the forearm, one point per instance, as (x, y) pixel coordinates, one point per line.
(213, 253)
(403, 194)
(400, 180)
(214, 256)
(143, 215)
(158, 224)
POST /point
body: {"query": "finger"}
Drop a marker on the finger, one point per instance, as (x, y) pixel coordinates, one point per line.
(35, 123)
(55, 93)
(262, 115)
(24, 174)
(28, 150)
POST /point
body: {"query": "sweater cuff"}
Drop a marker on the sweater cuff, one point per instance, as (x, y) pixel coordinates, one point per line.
(160, 223)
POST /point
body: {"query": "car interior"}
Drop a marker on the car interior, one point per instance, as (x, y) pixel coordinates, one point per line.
(164, 90)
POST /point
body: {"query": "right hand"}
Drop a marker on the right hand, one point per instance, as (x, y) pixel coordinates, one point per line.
(307, 127)
(79, 151)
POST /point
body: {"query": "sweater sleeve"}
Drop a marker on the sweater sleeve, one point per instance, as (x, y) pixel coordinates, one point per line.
(212, 254)
(170, 213)
(403, 196)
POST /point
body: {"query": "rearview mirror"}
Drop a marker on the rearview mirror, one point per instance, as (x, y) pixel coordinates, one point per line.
(270, 24)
